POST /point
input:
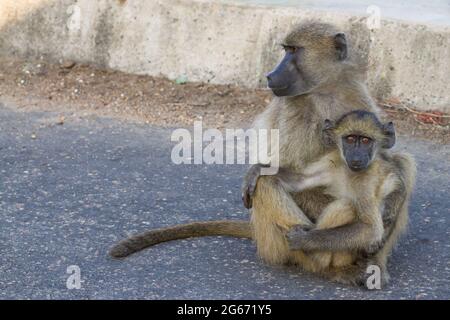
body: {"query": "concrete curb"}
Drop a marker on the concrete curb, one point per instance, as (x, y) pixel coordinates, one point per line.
(222, 42)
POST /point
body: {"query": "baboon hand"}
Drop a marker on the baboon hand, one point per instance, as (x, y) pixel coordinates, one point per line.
(247, 194)
(296, 236)
(249, 184)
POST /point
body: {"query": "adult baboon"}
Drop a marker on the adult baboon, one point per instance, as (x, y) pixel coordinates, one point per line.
(314, 81)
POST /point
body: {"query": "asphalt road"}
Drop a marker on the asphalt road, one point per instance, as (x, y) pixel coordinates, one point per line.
(73, 190)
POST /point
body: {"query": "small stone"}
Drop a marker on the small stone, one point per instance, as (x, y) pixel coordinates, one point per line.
(38, 69)
(68, 64)
(61, 120)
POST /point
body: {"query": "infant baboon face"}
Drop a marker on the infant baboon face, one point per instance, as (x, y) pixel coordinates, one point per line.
(359, 135)
(358, 151)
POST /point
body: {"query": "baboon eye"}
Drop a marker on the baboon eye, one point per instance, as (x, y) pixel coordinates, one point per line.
(365, 140)
(350, 139)
(290, 49)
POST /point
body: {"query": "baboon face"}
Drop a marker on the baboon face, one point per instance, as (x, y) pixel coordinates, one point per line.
(358, 134)
(313, 52)
(357, 151)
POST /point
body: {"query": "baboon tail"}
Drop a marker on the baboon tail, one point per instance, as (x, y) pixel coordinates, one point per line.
(240, 229)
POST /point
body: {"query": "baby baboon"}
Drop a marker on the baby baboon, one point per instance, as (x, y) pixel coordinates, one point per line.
(357, 176)
(363, 179)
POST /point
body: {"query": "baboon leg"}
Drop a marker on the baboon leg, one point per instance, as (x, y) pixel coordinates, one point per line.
(322, 260)
(326, 259)
(399, 226)
(396, 206)
(337, 213)
(350, 274)
(274, 212)
(341, 259)
(356, 274)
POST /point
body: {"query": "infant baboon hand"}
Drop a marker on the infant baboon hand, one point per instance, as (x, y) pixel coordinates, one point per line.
(296, 236)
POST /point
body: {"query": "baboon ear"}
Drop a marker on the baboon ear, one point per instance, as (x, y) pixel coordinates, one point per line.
(389, 135)
(340, 43)
(327, 132)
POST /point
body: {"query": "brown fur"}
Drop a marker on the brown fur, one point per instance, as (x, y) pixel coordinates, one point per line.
(371, 186)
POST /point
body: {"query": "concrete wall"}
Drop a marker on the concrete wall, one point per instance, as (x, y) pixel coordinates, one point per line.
(221, 43)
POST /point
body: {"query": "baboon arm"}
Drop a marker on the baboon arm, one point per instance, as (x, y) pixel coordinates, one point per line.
(354, 236)
(290, 180)
(393, 203)
(286, 176)
(367, 235)
(317, 174)
(299, 183)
